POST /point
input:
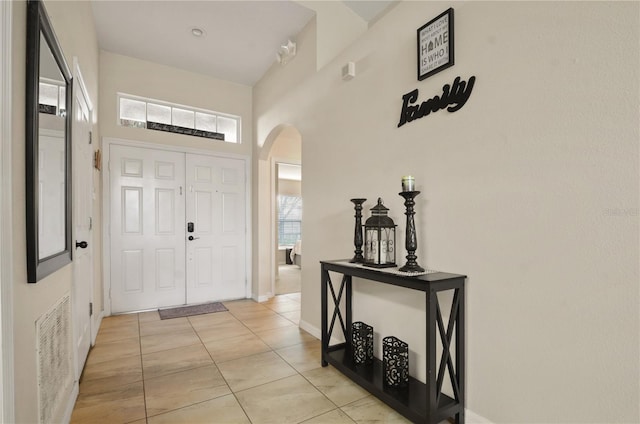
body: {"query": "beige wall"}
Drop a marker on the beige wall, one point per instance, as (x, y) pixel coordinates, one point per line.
(337, 26)
(531, 189)
(74, 27)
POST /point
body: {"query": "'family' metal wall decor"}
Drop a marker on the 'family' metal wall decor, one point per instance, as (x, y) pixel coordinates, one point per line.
(453, 97)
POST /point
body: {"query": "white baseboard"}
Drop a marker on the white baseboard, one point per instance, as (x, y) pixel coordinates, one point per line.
(317, 333)
(314, 331)
(473, 418)
(264, 298)
(97, 322)
(71, 403)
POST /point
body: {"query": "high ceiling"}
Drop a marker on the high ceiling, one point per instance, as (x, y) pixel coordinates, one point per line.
(239, 40)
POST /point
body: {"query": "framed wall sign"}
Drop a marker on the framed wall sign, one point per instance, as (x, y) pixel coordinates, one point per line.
(435, 45)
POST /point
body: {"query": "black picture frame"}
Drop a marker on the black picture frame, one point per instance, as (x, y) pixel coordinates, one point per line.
(435, 45)
(40, 36)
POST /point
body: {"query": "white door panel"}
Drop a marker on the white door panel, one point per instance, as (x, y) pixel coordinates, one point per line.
(147, 229)
(216, 265)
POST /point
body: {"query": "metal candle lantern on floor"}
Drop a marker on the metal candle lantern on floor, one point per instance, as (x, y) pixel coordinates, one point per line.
(379, 238)
(362, 342)
(395, 362)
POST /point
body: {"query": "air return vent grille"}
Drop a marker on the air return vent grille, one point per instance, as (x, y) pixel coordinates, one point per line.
(55, 375)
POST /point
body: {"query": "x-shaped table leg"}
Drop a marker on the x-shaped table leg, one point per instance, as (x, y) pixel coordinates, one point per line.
(445, 360)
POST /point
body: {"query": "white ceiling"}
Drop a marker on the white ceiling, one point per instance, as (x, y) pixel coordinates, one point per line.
(240, 38)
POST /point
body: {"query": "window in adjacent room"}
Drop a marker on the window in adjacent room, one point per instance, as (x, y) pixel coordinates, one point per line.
(289, 220)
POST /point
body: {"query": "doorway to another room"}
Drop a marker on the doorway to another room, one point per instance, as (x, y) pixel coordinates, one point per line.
(289, 228)
(281, 174)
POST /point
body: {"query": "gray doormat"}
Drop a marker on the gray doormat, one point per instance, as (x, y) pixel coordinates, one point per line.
(187, 311)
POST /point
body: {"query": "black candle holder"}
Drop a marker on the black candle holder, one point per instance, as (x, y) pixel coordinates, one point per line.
(395, 362)
(357, 234)
(411, 241)
(362, 342)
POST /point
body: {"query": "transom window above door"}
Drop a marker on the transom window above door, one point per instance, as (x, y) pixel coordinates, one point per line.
(139, 112)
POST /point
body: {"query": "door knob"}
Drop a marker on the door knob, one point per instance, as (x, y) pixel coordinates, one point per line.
(81, 244)
(191, 238)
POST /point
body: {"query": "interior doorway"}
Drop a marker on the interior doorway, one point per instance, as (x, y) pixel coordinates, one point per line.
(282, 154)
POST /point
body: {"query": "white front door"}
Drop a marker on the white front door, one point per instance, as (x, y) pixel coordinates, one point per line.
(147, 228)
(178, 228)
(82, 218)
(216, 247)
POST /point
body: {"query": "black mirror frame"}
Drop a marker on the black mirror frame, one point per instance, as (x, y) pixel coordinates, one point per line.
(38, 23)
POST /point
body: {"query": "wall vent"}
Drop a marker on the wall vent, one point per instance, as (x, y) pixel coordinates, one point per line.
(54, 356)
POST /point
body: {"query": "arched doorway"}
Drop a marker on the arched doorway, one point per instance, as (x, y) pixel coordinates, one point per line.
(280, 183)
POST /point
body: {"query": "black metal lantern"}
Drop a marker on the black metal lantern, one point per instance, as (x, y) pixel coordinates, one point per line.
(379, 238)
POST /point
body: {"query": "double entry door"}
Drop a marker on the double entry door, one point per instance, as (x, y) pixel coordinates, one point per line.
(177, 228)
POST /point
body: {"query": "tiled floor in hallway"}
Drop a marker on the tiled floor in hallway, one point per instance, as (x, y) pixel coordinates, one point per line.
(251, 364)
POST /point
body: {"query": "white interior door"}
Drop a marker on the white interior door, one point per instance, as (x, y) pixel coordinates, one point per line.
(147, 228)
(216, 246)
(82, 218)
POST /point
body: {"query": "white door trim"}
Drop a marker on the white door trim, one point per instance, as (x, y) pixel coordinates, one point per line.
(7, 412)
(106, 190)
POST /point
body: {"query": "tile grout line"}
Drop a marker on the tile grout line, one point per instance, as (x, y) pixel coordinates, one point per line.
(218, 368)
(190, 369)
(277, 354)
(139, 323)
(301, 375)
(317, 389)
(144, 392)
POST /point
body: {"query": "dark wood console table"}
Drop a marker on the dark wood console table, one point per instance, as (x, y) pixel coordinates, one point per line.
(419, 402)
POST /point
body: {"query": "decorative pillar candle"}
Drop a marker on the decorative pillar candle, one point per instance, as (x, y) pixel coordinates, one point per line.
(411, 240)
(408, 183)
(357, 236)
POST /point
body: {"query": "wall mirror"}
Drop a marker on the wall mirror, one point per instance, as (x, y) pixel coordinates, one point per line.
(48, 148)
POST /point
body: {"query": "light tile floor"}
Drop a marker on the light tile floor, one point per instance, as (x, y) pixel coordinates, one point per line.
(251, 364)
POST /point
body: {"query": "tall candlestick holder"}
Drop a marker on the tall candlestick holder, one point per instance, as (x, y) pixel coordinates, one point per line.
(357, 234)
(411, 241)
